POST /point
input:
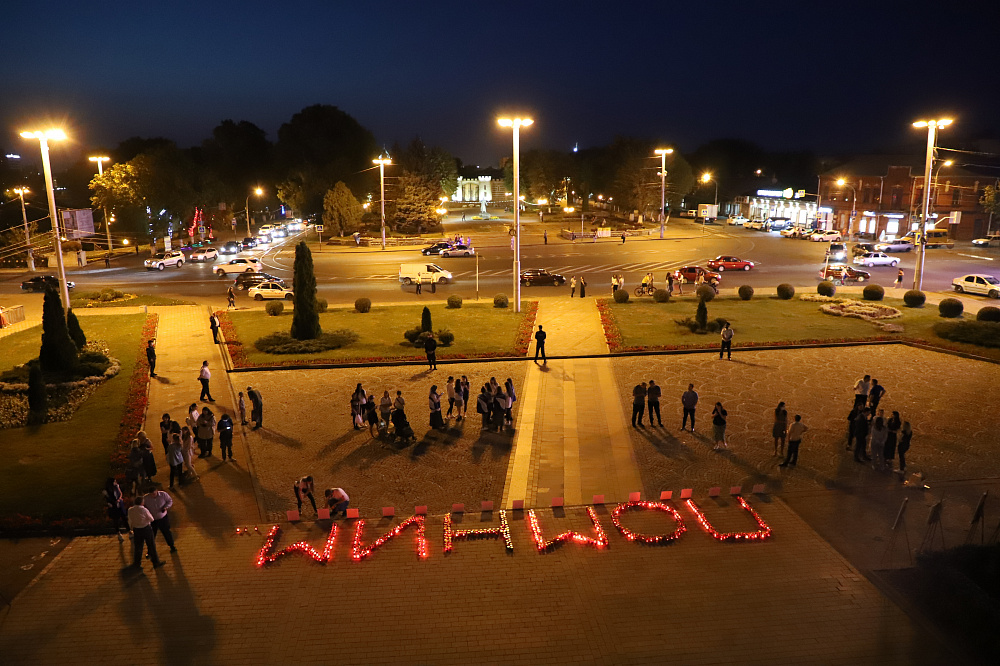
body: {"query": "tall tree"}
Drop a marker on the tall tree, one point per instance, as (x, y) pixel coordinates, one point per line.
(76, 333)
(341, 211)
(237, 157)
(305, 319)
(435, 164)
(417, 202)
(990, 201)
(58, 352)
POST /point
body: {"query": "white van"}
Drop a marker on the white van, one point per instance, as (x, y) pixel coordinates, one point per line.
(428, 273)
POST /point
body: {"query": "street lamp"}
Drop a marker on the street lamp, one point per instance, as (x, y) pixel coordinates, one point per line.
(707, 178)
(515, 124)
(932, 127)
(100, 173)
(43, 143)
(381, 161)
(854, 205)
(21, 191)
(258, 192)
(663, 152)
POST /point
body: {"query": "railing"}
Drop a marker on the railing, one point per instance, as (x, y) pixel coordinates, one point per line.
(10, 317)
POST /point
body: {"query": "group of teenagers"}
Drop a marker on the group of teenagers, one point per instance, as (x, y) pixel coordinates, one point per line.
(874, 437)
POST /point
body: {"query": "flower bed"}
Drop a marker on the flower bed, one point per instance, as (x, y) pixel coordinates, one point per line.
(871, 312)
(134, 416)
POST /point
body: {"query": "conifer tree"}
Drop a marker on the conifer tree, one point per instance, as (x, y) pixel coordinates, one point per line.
(305, 319)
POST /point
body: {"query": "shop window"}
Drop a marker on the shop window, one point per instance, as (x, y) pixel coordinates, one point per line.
(892, 227)
(956, 197)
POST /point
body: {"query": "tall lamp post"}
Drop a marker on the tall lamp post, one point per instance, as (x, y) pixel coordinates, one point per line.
(21, 191)
(43, 142)
(515, 124)
(258, 191)
(663, 152)
(381, 161)
(707, 178)
(841, 182)
(932, 127)
(100, 159)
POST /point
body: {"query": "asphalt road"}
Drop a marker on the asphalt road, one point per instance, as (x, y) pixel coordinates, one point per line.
(344, 274)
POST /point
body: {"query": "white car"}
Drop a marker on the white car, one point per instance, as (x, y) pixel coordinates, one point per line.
(898, 245)
(977, 284)
(205, 254)
(163, 259)
(991, 240)
(828, 235)
(266, 290)
(248, 265)
(792, 232)
(754, 224)
(738, 221)
(875, 259)
(459, 250)
(263, 239)
(265, 230)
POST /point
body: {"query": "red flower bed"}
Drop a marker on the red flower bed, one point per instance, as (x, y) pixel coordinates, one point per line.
(611, 332)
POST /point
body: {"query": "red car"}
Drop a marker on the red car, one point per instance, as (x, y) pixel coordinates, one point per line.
(690, 274)
(727, 263)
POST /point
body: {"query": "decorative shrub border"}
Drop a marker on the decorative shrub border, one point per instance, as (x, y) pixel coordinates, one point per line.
(237, 351)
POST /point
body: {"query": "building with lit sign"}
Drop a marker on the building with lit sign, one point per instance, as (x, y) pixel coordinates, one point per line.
(800, 208)
(477, 184)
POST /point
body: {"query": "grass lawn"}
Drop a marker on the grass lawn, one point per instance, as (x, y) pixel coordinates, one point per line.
(139, 300)
(480, 329)
(57, 470)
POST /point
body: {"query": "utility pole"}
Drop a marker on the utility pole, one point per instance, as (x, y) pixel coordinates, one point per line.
(21, 191)
(932, 127)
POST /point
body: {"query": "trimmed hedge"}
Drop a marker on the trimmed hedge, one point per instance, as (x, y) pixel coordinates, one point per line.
(500, 301)
(705, 293)
(951, 308)
(274, 308)
(363, 305)
(445, 337)
(785, 291)
(661, 296)
(283, 343)
(980, 333)
(988, 313)
(746, 292)
(826, 288)
(914, 298)
(454, 301)
(621, 296)
(873, 292)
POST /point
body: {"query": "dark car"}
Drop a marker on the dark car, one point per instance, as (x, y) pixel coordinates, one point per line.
(232, 247)
(842, 274)
(249, 242)
(862, 248)
(244, 281)
(436, 248)
(534, 276)
(43, 282)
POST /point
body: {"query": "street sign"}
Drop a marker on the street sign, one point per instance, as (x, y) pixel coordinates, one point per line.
(201, 228)
(319, 228)
(854, 214)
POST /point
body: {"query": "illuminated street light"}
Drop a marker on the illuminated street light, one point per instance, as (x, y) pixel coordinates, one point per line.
(43, 143)
(21, 191)
(662, 152)
(382, 160)
(932, 127)
(101, 159)
(516, 124)
(841, 182)
(258, 192)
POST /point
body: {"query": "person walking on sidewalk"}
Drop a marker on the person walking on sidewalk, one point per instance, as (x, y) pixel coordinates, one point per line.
(430, 348)
(204, 376)
(623, 239)
(140, 520)
(545, 233)
(639, 393)
(167, 427)
(670, 283)
(213, 322)
(151, 356)
(861, 388)
(226, 437)
(241, 404)
(206, 432)
(583, 287)
(230, 299)
(337, 501)
(257, 407)
(304, 488)
(689, 400)
(158, 503)
(727, 342)
(540, 345)
(115, 500)
(175, 459)
(719, 415)
(572, 286)
(779, 430)
(899, 279)
(653, 396)
(794, 439)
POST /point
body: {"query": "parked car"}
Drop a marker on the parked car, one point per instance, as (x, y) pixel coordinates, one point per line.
(249, 242)
(43, 282)
(270, 290)
(459, 250)
(825, 236)
(232, 247)
(837, 252)
(205, 254)
(436, 248)
(244, 281)
(992, 240)
(794, 232)
(898, 245)
(842, 274)
(977, 283)
(690, 274)
(755, 224)
(862, 248)
(429, 273)
(248, 265)
(738, 221)
(534, 276)
(724, 262)
(777, 223)
(161, 260)
(809, 234)
(875, 259)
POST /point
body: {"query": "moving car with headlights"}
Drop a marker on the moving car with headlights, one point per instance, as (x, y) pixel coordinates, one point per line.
(460, 250)
(992, 240)
(248, 265)
(232, 247)
(875, 259)
(842, 274)
(977, 283)
(429, 273)
(244, 281)
(837, 252)
(161, 260)
(278, 232)
(725, 262)
(534, 276)
(777, 223)
(690, 274)
(436, 248)
(270, 290)
(205, 254)
(828, 235)
(43, 282)
(265, 229)
(898, 245)
(248, 243)
(263, 239)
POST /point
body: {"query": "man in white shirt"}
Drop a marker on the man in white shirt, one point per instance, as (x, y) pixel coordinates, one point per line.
(861, 388)
(140, 520)
(158, 503)
(727, 342)
(204, 376)
(795, 432)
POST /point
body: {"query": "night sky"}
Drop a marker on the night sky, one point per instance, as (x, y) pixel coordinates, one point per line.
(830, 77)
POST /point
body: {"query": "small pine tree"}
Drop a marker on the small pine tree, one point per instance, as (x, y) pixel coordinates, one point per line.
(425, 320)
(701, 315)
(75, 332)
(58, 352)
(305, 319)
(38, 399)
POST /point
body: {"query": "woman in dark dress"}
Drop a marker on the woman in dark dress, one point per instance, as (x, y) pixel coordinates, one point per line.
(780, 428)
(434, 403)
(583, 287)
(904, 445)
(893, 425)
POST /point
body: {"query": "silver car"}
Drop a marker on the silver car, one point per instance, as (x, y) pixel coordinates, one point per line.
(875, 259)
(898, 245)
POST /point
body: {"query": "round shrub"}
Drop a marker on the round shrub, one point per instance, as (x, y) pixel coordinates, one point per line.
(661, 296)
(621, 296)
(274, 308)
(746, 292)
(951, 308)
(321, 305)
(705, 293)
(363, 305)
(873, 292)
(413, 335)
(445, 337)
(914, 298)
(826, 288)
(454, 301)
(785, 291)
(988, 313)
(500, 301)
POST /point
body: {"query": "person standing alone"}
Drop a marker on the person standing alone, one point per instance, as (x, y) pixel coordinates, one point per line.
(653, 396)
(430, 348)
(213, 322)
(540, 344)
(204, 376)
(794, 439)
(727, 342)
(689, 400)
(151, 356)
